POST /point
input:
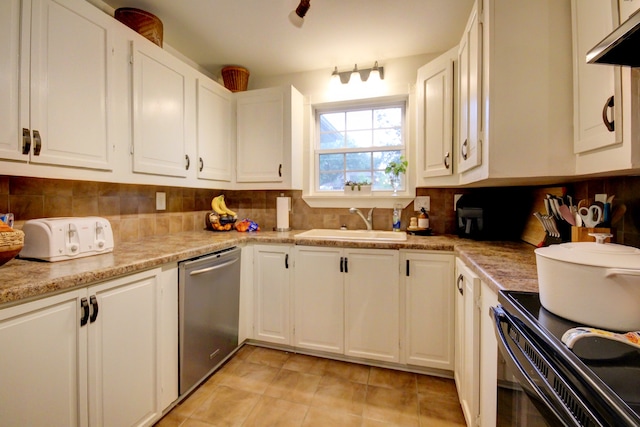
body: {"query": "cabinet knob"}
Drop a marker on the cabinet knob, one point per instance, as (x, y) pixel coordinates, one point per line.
(26, 141)
(610, 125)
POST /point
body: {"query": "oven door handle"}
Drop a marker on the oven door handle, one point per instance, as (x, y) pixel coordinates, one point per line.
(535, 384)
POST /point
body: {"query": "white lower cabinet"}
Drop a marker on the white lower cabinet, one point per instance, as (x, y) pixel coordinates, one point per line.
(272, 293)
(91, 356)
(467, 335)
(347, 301)
(319, 299)
(488, 357)
(428, 298)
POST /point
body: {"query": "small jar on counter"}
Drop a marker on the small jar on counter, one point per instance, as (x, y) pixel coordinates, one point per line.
(423, 219)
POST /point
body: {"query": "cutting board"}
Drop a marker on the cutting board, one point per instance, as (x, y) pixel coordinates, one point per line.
(533, 231)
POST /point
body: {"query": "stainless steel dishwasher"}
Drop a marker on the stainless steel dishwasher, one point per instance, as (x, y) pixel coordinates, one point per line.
(209, 306)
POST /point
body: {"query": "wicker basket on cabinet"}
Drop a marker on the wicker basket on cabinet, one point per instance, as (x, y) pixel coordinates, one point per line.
(235, 78)
(141, 21)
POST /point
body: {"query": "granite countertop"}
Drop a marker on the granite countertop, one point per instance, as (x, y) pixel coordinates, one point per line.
(502, 265)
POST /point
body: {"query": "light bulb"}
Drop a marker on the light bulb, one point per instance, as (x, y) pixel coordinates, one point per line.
(355, 78)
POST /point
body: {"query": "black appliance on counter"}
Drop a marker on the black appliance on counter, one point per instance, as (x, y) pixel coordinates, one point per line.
(492, 215)
(597, 383)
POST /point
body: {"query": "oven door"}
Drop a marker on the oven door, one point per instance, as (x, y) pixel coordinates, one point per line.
(532, 390)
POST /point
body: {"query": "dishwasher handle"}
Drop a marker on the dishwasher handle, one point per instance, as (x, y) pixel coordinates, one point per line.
(214, 267)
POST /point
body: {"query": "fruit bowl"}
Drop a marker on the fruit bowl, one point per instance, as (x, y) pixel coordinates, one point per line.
(216, 222)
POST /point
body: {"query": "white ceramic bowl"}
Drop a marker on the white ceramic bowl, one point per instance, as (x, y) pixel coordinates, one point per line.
(591, 283)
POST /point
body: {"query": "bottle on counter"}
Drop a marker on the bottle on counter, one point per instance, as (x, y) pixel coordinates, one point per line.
(397, 214)
(423, 219)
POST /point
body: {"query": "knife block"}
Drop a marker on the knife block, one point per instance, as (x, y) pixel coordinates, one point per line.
(581, 234)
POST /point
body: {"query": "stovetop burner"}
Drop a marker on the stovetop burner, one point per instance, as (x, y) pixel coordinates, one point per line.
(610, 367)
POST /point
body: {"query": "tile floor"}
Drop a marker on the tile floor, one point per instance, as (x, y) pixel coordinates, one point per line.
(266, 387)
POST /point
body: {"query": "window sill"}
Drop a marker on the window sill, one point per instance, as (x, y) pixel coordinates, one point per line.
(339, 200)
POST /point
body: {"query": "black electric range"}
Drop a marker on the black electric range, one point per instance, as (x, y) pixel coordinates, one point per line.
(597, 382)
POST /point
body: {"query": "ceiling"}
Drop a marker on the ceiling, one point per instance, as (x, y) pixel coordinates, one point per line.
(258, 35)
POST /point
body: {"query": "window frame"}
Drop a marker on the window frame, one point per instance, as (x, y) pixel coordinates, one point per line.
(345, 107)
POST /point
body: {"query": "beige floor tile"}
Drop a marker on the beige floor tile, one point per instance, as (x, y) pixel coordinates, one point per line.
(345, 370)
(244, 352)
(191, 403)
(267, 356)
(294, 386)
(390, 378)
(304, 363)
(250, 377)
(440, 409)
(272, 412)
(226, 407)
(436, 386)
(172, 419)
(392, 406)
(321, 417)
(196, 423)
(340, 395)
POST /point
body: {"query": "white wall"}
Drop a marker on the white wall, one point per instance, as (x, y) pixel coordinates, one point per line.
(399, 78)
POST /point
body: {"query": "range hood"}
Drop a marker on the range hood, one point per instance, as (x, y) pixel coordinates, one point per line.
(621, 47)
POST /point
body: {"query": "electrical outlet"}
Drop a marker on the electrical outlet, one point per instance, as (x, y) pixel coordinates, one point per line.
(601, 198)
(422, 202)
(161, 201)
(456, 197)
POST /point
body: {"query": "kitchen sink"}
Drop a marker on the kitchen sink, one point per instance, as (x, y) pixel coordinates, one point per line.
(366, 235)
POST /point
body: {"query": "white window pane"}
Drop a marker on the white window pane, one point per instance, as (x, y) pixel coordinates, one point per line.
(332, 181)
(388, 117)
(358, 161)
(331, 162)
(360, 139)
(359, 120)
(387, 137)
(331, 140)
(332, 122)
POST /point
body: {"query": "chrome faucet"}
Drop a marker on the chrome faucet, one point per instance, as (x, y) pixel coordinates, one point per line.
(368, 220)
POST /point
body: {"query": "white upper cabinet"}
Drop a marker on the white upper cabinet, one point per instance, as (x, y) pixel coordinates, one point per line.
(215, 112)
(56, 104)
(596, 88)
(469, 102)
(160, 85)
(524, 107)
(606, 136)
(269, 138)
(434, 131)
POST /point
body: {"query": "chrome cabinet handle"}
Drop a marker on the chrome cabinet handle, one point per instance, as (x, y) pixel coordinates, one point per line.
(38, 143)
(447, 163)
(464, 149)
(610, 125)
(201, 164)
(26, 141)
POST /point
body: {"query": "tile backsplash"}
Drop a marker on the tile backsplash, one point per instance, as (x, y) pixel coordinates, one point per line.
(131, 208)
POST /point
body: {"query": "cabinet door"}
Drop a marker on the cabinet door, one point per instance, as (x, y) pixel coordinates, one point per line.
(597, 101)
(319, 299)
(469, 377)
(271, 278)
(429, 310)
(124, 351)
(372, 304)
(469, 120)
(434, 93)
(488, 357)
(627, 8)
(260, 135)
(14, 68)
(215, 108)
(159, 108)
(42, 371)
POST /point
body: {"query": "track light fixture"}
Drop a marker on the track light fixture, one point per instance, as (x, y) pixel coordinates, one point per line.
(297, 16)
(376, 73)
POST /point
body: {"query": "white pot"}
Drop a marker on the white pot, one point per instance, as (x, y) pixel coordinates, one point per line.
(591, 283)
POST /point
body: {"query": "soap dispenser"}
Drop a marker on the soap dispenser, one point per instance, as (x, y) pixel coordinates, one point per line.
(397, 214)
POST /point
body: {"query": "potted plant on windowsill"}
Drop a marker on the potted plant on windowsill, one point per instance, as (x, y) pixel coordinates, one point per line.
(394, 169)
(357, 188)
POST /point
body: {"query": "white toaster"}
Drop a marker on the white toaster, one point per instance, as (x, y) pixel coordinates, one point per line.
(58, 239)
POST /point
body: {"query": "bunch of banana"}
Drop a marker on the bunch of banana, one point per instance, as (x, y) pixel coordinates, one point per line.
(218, 205)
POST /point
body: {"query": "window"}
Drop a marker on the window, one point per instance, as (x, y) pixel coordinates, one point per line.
(356, 144)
